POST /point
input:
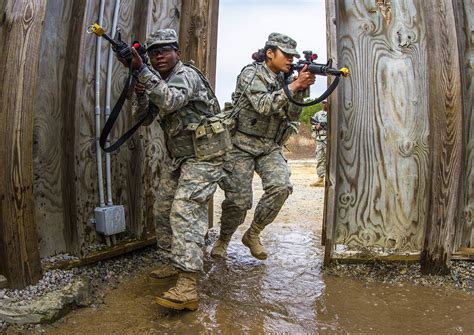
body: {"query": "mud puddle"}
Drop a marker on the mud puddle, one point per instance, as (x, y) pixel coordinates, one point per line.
(287, 293)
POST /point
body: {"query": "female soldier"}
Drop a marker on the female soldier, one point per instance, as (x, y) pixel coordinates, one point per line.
(264, 114)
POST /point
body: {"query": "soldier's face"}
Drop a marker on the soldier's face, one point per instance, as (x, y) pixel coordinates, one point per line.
(163, 59)
(279, 61)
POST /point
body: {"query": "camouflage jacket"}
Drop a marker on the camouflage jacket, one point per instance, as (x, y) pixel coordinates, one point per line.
(176, 101)
(182, 88)
(260, 90)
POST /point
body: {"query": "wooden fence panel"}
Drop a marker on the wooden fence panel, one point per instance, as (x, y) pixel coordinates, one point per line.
(22, 26)
(446, 108)
(47, 149)
(383, 125)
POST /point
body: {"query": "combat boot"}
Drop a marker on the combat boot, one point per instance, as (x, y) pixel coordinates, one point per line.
(220, 248)
(318, 183)
(251, 240)
(164, 273)
(183, 295)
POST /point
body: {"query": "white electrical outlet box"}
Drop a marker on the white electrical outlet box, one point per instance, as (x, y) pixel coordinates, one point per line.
(110, 220)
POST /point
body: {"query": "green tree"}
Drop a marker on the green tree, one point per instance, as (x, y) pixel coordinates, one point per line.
(308, 112)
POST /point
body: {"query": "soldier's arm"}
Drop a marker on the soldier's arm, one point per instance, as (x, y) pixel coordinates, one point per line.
(168, 97)
(294, 111)
(264, 102)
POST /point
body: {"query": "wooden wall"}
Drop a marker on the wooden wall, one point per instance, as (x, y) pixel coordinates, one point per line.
(21, 29)
(49, 176)
(65, 167)
(396, 126)
(383, 126)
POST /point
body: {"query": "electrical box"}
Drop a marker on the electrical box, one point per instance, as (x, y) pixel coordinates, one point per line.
(110, 220)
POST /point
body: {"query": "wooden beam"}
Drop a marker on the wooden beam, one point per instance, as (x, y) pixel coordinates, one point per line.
(198, 42)
(330, 196)
(71, 102)
(22, 26)
(445, 106)
(465, 36)
(122, 248)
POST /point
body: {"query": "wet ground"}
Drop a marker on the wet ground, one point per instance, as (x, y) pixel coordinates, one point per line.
(288, 293)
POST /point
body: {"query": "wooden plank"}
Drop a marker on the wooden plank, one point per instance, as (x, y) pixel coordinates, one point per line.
(445, 103)
(397, 258)
(464, 253)
(464, 15)
(73, 97)
(23, 26)
(120, 249)
(194, 37)
(198, 42)
(47, 150)
(382, 134)
(330, 196)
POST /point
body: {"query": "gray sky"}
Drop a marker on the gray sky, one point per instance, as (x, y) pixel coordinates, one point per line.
(244, 26)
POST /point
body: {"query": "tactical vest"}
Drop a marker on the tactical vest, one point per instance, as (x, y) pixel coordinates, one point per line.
(196, 130)
(251, 122)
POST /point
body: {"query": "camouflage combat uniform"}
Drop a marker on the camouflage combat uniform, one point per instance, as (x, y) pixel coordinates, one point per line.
(264, 110)
(321, 141)
(181, 102)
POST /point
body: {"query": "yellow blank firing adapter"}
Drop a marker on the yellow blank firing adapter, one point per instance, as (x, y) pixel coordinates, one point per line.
(96, 29)
(345, 72)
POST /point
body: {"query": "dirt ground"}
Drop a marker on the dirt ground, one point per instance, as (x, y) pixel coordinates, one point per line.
(287, 293)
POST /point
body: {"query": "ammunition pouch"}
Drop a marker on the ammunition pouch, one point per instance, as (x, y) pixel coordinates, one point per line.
(255, 124)
(285, 131)
(211, 139)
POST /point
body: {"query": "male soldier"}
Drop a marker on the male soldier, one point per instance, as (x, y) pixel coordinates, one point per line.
(263, 124)
(181, 98)
(319, 123)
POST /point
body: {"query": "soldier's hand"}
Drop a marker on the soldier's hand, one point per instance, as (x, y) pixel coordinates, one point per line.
(139, 89)
(137, 61)
(304, 80)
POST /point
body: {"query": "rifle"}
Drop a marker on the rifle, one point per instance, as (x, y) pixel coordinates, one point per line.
(123, 50)
(318, 69)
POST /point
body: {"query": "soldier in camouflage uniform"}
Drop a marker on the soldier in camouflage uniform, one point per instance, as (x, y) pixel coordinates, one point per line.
(180, 97)
(264, 121)
(319, 125)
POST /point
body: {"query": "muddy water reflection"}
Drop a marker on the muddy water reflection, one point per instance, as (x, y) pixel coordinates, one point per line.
(287, 293)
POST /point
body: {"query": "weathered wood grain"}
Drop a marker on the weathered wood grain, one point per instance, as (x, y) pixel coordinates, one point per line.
(75, 196)
(446, 107)
(330, 204)
(383, 126)
(22, 26)
(47, 150)
(464, 12)
(194, 37)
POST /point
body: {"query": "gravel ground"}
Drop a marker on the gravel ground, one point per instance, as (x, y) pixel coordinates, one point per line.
(461, 276)
(106, 273)
(112, 272)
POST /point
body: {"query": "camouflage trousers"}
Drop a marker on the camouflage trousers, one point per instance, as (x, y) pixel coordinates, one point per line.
(239, 168)
(182, 215)
(321, 158)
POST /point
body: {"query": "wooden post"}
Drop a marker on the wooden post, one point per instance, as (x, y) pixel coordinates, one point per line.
(198, 42)
(330, 200)
(445, 106)
(22, 26)
(464, 235)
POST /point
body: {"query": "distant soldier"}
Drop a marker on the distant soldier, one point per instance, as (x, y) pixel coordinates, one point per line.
(264, 123)
(319, 124)
(181, 98)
